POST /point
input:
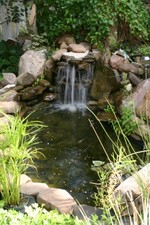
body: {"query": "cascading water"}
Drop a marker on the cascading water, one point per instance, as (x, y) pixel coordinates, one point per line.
(73, 85)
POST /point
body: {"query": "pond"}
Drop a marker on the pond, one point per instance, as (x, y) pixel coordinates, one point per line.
(69, 145)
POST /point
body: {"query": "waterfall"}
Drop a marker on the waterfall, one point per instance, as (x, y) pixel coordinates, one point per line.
(73, 85)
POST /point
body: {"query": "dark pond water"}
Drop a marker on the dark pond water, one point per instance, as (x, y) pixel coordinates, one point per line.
(69, 145)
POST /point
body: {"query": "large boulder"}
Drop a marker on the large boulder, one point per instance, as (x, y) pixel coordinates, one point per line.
(140, 99)
(123, 65)
(31, 66)
(104, 81)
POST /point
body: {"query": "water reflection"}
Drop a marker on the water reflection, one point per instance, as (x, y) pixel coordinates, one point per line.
(69, 145)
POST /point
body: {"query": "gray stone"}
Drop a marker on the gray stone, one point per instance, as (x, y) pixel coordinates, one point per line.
(24, 179)
(55, 198)
(32, 62)
(26, 79)
(33, 188)
(8, 78)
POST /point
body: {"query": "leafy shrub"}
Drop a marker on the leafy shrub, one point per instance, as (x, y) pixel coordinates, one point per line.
(9, 55)
(92, 21)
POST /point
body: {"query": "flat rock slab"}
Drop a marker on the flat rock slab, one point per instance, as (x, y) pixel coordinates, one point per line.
(55, 198)
(33, 188)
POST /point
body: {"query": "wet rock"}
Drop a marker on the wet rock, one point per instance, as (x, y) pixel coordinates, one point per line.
(104, 82)
(33, 188)
(48, 97)
(8, 78)
(32, 62)
(77, 48)
(75, 55)
(44, 83)
(31, 92)
(106, 116)
(55, 198)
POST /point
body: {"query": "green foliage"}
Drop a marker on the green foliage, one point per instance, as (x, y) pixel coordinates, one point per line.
(39, 41)
(17, 149)
(9, 57)
(92, 21)
(126, 122)
(37, 216)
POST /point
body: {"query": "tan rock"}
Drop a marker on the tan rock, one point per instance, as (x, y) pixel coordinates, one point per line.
(33, 188)
(11, 95)
(55, 198)
(11, 107)
(58, 54)
(77, 48)
(26, 79)
(130, 192)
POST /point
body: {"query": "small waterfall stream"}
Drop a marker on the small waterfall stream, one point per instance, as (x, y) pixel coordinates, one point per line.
(73, 85)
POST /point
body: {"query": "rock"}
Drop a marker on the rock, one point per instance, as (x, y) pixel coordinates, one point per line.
(8, 78)
(96, 54)
(5, 120)
(86, 211)
(130, 191)
(63, 45)
(33, 188)
(24, 179)
(86, 45)
(135, 80)
(77, 48)
(123, 65)
(11, 95)
(11, 107)
(6, 88)
(48, 97)
(32, 62)
(67, 38)
(104, 82)
(75, 55)
(26, 79)
(44, 83)
(31, 92)
(56, 56)
(140, 99)
(48, 70)
(55, 198)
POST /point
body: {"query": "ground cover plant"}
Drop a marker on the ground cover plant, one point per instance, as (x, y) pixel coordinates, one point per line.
(17, 151)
